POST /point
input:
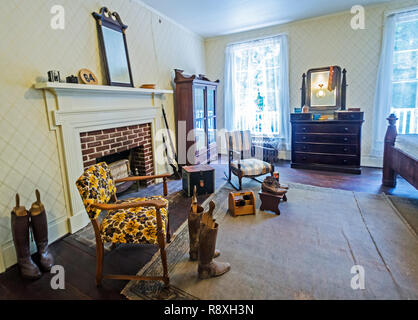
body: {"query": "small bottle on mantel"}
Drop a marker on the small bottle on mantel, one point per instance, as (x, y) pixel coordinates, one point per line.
(194, 200)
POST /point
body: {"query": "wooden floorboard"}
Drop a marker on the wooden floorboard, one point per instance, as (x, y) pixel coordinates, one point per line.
(79, 260)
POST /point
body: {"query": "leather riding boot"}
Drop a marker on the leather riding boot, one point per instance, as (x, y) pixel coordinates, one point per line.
(207, 242)
(193, 221)
(40, 232)
(194, 228)
(20, 232)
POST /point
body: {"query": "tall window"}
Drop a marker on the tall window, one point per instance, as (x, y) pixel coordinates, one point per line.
(254, 91)
(405, 73)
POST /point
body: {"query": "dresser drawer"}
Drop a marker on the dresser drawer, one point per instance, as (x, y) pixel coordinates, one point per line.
(340, 160)
(349, 115)
(327, 138)
(326, 148)
(330, 128)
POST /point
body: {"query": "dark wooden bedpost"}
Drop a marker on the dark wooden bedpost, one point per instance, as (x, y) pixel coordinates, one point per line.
(389, 176)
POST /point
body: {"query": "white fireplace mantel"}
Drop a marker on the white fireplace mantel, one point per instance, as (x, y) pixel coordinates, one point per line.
(76, 108)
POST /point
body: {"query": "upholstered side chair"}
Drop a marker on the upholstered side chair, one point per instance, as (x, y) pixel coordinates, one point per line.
(133, 220)
(244, 158)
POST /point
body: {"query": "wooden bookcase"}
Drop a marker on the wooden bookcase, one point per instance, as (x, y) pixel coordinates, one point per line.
(196, 110)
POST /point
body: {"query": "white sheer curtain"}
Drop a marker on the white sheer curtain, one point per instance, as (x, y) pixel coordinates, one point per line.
(253, 68)
(383, 93)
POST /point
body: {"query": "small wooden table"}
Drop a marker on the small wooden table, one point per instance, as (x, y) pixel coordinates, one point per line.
(271, 201)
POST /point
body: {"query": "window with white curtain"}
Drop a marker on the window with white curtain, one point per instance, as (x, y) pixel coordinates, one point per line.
(405, 73)
(256, 86)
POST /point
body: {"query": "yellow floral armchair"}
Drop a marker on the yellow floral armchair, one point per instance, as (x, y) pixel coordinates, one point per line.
(133, 220)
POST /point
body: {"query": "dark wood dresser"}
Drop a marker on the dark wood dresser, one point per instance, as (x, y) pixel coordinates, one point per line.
(332, 145)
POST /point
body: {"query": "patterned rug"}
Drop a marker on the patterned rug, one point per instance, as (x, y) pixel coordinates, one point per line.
(305, 253)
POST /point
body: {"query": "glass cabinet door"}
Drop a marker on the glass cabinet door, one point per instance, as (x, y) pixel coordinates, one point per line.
(211, 130)
(199, 102)
(211, 101)
(200, 136)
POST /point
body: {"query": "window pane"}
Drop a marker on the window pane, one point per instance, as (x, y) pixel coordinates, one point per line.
(406, 35)
(404, 95)
(405, 65)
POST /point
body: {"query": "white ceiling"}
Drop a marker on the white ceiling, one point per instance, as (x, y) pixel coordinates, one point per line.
(210, 18)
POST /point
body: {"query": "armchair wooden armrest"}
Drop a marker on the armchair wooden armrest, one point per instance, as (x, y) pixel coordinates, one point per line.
(157, 204)
(143, 178)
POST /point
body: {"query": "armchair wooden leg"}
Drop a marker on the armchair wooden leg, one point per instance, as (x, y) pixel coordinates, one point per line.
(168, 231)
(99, 263)
(99, 252)
(161, 243)
(165, 267)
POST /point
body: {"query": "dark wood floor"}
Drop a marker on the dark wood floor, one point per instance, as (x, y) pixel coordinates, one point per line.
(79, 260)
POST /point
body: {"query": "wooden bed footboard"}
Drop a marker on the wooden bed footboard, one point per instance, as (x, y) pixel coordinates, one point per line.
(395, 161)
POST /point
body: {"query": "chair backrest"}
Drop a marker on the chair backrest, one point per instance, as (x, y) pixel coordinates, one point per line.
(96, 185)
(238, 141)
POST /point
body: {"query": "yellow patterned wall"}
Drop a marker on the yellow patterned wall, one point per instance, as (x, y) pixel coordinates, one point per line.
(29, 48)
(319, 42)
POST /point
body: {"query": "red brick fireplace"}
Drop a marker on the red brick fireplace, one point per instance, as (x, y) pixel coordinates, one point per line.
(103, 143)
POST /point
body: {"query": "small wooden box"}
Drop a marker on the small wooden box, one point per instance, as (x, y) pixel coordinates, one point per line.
(202, 176)
(246, 198)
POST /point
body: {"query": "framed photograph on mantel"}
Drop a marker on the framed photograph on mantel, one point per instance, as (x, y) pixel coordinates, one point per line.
(113, 48)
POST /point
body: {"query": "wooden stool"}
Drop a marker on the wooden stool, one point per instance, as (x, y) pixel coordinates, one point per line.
(271, 201)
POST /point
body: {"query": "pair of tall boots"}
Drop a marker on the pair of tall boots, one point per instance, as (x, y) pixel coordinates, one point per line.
(203, 231)
(21, 221)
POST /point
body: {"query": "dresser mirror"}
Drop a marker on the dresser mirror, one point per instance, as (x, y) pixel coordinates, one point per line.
(113, 47)
(324, 88)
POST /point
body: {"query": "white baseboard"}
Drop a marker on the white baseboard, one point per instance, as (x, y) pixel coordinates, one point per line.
(79, 221)
(56, 230)
(370, 161)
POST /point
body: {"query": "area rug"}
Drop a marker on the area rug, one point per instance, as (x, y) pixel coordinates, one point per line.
(326, 244)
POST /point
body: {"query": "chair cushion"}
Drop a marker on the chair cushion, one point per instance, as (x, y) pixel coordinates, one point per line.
(251, 167)
(134, 225)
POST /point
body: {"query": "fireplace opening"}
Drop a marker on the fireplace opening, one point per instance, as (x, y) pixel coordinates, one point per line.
(126, 163)
(127, 150)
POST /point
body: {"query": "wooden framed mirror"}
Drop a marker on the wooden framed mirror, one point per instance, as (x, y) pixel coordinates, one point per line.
(324, 88)
(113, 48)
